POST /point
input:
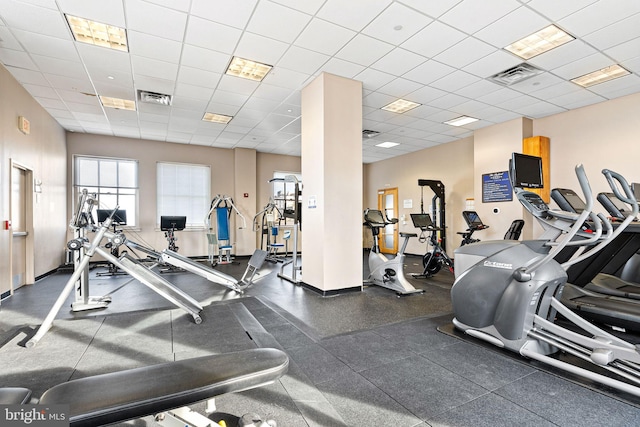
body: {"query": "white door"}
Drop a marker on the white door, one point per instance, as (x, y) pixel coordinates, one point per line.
(21, 250)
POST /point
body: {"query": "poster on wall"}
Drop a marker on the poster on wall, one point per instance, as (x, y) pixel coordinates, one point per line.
(496, 187)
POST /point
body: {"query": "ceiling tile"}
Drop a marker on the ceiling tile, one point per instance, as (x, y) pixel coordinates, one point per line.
(204, 59)
(261, 49)
(615, 86)
(235, 14)
(238, 85)
(454, 81)
(399, 87)
(433, 39)
(198, 106)
(576, 99)
(71, 83)
(373, 79)
(307, 6)
(41, 91)
(152, 68)
(562, 55)
(272, 93)
(181, 5)
(431, 8)
(425, 95)
(493, 63)
(24, 16)
(100, 59)
(473, 15)
(156, 20)
(512, 27)
(556, 10)
(465, 52)
(27, 76)
(398, 62)
(286, 78)
(428, 72)
(341, 68)
(478, 89)
(598, 15)
(211, 35)
(40, 44)
(302, 60)
(154, 47)
(198, 77)
(17, 58)
(354, 14)
(107, 12)
(623, 31)
(324, 37)
(364, 50)
(396, 24)
(192, 91)
(625, 51)
(277, 21)
(583, 66)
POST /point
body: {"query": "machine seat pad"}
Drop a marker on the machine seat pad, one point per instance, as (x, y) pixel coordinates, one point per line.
(14, 395)
(135, 393)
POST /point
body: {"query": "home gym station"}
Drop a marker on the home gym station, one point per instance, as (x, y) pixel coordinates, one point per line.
(321, 213)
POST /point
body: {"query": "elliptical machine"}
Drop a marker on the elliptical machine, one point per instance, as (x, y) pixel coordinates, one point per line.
(388, 273)
(508, 292)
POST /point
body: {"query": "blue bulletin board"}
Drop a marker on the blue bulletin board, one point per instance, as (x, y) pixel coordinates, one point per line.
(496, 187)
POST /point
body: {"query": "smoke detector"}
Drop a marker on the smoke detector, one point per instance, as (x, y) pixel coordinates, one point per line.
(516, 74)
(154, 98)
(369, 133)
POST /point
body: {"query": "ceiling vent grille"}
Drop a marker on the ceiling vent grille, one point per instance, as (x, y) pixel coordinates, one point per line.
(516, 74)
(154, 98)
(369, 133)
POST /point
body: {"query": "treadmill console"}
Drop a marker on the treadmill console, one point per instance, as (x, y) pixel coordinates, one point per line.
(534, 204)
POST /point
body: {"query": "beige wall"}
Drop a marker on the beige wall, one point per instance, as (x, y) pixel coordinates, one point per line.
(44, 152)
(450, 163)
(605, 135)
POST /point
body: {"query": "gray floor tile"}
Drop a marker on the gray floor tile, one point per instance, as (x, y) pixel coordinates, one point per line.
(317, 363)
(567, 404)
(423, 387)
(360, 403)
(489, 411)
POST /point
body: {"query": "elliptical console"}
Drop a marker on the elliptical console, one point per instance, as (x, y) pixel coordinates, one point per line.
(508, 292)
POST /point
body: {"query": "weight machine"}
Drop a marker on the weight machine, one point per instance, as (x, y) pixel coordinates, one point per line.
(221, 206)
(292, 209)
(437, 207)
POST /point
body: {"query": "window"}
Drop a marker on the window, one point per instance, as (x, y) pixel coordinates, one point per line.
(115, 181)
(184, 190)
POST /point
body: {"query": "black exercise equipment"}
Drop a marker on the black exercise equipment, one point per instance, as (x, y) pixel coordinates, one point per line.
(514, 231)
(171, 224)
(433, 260)
(438, 211)
(150, 390)
(474, 223)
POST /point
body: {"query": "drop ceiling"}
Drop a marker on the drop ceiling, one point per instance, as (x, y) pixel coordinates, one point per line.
(440, 54)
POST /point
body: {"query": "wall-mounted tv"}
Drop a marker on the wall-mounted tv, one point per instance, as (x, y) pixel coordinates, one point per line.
(119, 217)
(526, 171)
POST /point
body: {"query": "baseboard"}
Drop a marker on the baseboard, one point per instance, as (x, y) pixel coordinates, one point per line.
(332, 291)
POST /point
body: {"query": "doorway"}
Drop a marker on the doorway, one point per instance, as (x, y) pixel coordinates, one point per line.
(21, 248)
(388, 205)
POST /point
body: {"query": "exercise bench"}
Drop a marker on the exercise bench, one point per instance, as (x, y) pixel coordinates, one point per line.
(157, 389)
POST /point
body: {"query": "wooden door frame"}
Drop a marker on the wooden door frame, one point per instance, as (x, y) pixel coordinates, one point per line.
(381, 194)
(28, 206)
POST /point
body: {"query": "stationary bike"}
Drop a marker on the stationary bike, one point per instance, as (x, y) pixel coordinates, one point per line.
(474, 223)
(435, 259)
(385, 272)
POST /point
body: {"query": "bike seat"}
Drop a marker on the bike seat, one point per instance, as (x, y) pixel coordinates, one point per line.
(403, 234)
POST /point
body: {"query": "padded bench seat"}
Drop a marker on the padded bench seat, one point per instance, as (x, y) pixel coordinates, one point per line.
(135, 393)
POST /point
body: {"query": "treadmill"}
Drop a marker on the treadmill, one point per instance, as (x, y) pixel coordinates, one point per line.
(604, 298)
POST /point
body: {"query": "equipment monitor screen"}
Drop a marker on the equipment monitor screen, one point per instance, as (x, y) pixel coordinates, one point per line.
(119, 218)
(526, 171)
(422, 220)
(173, 222)
(568, 200)
(472, 218)
(374, 216)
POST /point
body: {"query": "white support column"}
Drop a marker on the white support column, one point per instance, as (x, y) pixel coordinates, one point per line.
(332, 179)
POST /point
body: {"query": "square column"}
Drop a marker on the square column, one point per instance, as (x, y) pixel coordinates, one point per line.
(332, 180)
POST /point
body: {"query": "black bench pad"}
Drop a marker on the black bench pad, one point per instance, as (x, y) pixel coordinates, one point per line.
(134, 393)
(14, 395)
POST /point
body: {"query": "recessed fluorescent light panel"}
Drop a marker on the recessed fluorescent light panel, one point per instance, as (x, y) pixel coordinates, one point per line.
(387, 144)
(461, 121)
(540, 42)
(97, 33)
(247, 69)
(217, 118)
(400, 106)
(120, 104)
(601, 76)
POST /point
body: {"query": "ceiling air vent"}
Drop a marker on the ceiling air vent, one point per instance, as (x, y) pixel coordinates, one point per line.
(370, 133)
(154, 98)
(516, 74)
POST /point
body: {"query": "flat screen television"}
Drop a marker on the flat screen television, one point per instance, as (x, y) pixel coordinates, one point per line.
(119, 218)
(526, 171)
(173, 222)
